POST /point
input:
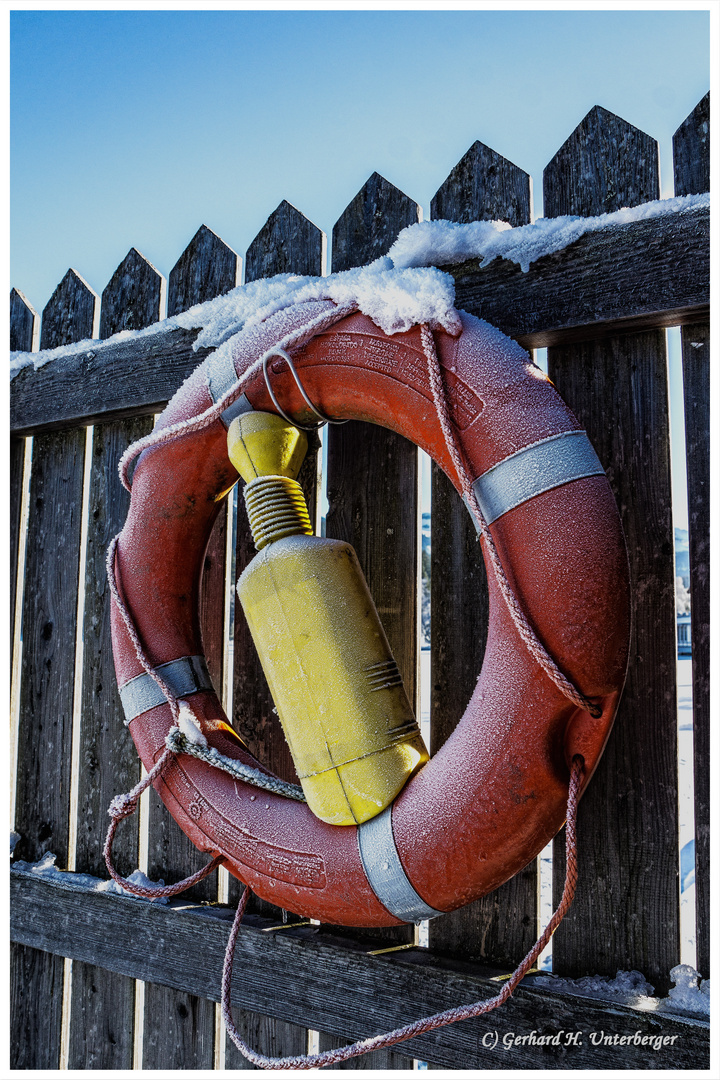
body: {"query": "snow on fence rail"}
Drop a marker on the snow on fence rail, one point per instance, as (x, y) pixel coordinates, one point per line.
(600, 305)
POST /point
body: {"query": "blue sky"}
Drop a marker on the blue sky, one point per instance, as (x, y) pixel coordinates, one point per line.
(131, 128)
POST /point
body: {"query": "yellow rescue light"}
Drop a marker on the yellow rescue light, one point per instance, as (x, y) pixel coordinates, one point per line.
(337, 689)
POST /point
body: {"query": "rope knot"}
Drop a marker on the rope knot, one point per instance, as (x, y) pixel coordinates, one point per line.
(175, 741)
(122, 806)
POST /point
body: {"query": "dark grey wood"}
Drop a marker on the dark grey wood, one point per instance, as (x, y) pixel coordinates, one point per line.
(379, 1059)
(372, 473)
(288, 243)
(484, 186)
(604, 165)
(36, 980)
(102, 1017)
(69, 314)
(691, 163)
(617, 280)
(132, 298)
(696, 380)
(101, 1028)
(206, 269)
(691, 151)
(17, 473)
(626, 910)
(499, 928)
(44, 738)
(113, 380)
(277, 1038)
(23, 322)
(369, 225)
(179, 1030)
(310, 977)
(634, 276)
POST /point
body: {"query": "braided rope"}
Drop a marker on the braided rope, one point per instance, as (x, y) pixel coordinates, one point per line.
(204, 419)
(180, 744)
(429, 1023)
(534, 645)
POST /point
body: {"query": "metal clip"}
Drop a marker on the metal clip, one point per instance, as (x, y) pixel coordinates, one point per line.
(288, 360)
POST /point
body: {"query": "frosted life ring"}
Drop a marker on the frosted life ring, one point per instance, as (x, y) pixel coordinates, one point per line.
(496, 792)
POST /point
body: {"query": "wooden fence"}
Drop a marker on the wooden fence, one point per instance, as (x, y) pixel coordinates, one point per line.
(142, 980)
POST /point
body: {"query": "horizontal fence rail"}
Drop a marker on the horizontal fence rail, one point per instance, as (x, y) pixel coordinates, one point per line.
(116, 983)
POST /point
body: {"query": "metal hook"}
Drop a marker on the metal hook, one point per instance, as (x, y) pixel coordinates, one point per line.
(288, 360)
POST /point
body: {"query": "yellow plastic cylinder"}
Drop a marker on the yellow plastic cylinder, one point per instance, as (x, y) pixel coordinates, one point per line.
(337, 689)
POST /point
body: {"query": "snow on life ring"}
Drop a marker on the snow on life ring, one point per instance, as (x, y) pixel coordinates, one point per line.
(496, 793)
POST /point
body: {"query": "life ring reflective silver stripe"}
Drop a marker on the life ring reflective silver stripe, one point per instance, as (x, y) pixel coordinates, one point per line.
(539, 467)
(385, 872)
(184, 676)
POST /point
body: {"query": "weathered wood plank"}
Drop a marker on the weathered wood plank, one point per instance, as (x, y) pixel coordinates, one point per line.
(696, 380)
(626, 910)
(103, 1007)
(44, 737)
(369, 225)
(69, 314)
(646, 273)
(618, 280)
(605, 164)
(691, 162)
(309, 977)
(101, 1029)
(372, 474)
(23, 323)
(132, 299)
(691, 151)
(278, 1039)
(178, 1030)
(17, 473)
(207, 268)
(288, 243)
(500, 928)
(484, 186)
(36, 980)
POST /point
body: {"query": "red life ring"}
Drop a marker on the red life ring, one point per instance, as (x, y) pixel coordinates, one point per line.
(496, 793)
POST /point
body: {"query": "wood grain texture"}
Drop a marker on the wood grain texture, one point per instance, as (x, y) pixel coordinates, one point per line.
(207, 268)
(499, 928)
(484, 186)
(179, 1030)
(36, 981)
(288, 243)
(69, 314)
(691, 162)
(691, 151)
(278, 1039)
(643, 274)
(101, 1028)
(372, 473)
(604, 165)
(23, 322)
(369, 225)
(696, 381)
(308, 976)
(17, 473)
(626, 910)
(623, 278)
(132, 299)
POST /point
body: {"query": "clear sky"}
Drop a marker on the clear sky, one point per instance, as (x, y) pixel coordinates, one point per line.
(131, 128)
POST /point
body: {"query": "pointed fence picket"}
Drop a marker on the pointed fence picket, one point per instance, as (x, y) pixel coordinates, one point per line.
(74, 754)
